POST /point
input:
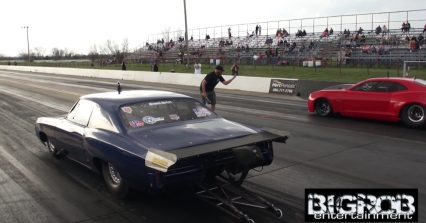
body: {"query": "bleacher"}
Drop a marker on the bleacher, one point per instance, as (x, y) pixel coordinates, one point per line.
(394, 48)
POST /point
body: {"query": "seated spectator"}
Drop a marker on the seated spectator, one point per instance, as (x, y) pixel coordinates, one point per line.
(285, 33)
(381, 50)
(406, 27)
(421, 39)
(378, 30)
(293, 46)
(413, 44)
(207, 36)
(304, 33)
(362, 40)
(365, 49)
(331, 31)
(360, 30)
(278, 34)
(311, 45)
(373, 49)
(385, 29)
(324, 33)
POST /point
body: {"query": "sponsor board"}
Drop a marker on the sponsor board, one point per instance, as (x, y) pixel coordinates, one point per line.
(280, 86)
(361, 205)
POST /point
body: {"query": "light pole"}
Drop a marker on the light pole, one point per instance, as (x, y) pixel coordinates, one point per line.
(186, 34)
(28, 43)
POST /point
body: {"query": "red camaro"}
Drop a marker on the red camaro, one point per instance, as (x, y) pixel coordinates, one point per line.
(388, 99)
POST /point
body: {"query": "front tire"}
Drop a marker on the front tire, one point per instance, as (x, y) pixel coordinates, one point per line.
(323, 108)
(413, 115)
(55, 151)
(113, 180)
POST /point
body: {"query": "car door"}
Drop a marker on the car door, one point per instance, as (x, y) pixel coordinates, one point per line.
(370, 99)
(74, 129)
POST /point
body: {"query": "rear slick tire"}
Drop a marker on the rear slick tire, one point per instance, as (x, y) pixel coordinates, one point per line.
(413, 115)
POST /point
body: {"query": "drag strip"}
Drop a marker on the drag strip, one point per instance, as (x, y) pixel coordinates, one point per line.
(320, 153)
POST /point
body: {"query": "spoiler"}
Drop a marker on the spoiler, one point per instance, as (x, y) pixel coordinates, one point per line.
(162, 160)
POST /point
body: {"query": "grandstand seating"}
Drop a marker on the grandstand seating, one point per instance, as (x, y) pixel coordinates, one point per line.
(388, 49)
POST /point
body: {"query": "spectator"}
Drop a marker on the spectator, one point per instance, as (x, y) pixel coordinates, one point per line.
(197, 68)
(331, 31)
(385, 29)
(123, 65)
(257, 29)
(424, 29)
(192, 38)
(408, 26)
(378, 30)
(325, 33)
(304, 33)
(260, 30)
(209, 82)
(360, 30)
(229, 33)
(420, 39)
(155, 67)
(413, 44)
(403, 27)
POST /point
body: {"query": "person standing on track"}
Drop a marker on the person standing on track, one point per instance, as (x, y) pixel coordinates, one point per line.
(209, 82)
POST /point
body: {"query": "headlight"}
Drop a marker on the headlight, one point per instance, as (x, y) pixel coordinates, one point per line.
(159, 160)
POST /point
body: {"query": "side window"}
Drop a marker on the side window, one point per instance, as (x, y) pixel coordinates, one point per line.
(389, 87)
(81, 112)
(101, 120)
(367, 86)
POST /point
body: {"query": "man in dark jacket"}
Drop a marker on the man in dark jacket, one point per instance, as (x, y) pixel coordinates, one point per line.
(208, 84)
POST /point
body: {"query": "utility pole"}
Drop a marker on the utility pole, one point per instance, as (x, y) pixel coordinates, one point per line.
(186, 34)
(28, 43)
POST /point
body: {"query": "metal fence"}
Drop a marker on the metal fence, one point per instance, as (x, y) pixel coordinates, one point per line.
(368, 21)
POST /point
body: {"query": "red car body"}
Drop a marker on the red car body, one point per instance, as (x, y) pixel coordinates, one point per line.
(388, 99)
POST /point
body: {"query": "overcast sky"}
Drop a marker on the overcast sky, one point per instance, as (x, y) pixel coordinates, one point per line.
(79, 24)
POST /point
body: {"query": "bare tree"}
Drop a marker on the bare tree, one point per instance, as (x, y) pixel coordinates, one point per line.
(38, 52)
(124, 49)
(93, 53)
(166, 34)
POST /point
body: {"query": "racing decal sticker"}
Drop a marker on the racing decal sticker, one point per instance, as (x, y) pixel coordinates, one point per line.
(127, 110)
(152, 120)
(201, 112)
(136, 123)
(160, 103)
(174, 117)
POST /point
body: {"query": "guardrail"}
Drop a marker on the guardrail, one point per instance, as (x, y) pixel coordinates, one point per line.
(243, 83)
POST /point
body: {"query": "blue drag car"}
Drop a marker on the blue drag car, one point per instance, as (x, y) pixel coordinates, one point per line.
(150, 140)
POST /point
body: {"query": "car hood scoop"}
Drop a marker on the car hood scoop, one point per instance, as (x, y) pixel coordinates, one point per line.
(168, 138)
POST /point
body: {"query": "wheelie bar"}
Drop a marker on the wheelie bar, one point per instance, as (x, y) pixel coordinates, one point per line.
(230, 198)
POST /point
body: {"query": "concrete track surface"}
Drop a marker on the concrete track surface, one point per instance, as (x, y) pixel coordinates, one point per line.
(320, 153)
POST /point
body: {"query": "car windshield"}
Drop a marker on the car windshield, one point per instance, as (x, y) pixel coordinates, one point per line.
(151, 113)
(420, 81)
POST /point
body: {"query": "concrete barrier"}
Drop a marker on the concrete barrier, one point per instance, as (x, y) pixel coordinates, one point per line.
(243, 83)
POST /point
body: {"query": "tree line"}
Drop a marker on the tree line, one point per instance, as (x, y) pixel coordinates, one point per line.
(108, 53)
